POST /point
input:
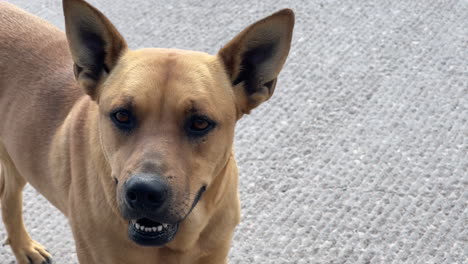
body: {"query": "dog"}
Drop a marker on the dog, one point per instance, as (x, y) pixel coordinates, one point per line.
(134, 147)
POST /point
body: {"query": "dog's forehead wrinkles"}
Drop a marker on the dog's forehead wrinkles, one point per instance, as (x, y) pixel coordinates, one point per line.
(157, 70)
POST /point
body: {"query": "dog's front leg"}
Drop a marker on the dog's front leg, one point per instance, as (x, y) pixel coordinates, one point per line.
(26, 250)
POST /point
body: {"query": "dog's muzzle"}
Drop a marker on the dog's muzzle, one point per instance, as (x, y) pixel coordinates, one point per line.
(146, 203)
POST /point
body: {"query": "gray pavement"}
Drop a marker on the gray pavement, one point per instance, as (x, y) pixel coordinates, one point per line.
(361, 156)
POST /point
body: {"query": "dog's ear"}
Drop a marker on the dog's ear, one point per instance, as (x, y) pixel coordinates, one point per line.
(95, 44)
(254, 58)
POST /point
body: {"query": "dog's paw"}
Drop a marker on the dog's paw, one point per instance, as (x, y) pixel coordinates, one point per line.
(32, 253)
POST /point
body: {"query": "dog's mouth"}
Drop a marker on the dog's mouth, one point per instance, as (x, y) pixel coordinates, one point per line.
(146, 232)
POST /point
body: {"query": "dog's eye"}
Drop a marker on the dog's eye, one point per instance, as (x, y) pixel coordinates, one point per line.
(198, 126)
(122, 119)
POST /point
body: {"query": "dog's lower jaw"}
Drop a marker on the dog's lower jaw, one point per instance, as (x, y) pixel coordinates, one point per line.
(156, 236)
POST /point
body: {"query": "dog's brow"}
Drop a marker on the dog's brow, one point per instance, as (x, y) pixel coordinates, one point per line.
(201, 106)
(125, 101)
(194, 106)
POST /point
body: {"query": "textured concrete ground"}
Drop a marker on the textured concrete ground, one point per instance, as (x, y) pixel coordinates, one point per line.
(361, 156)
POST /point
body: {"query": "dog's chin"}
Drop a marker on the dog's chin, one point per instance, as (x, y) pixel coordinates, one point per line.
(146, 232)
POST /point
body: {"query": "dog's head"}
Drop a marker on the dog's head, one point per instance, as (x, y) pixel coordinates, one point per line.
(166, 117)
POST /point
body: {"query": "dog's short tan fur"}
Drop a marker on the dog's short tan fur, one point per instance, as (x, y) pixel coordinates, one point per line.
(56, 134)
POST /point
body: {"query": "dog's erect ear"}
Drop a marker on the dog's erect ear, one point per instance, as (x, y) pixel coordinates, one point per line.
(95, 44)
(254, 58)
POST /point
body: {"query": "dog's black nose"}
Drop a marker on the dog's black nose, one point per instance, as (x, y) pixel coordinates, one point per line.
(146, 192)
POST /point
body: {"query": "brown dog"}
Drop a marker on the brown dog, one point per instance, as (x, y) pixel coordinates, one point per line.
(134, 147)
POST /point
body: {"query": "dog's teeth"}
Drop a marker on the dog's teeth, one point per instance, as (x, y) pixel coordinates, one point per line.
(157, 228)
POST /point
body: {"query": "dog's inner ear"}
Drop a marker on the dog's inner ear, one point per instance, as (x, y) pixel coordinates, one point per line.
(255, 57)
(95, 44)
